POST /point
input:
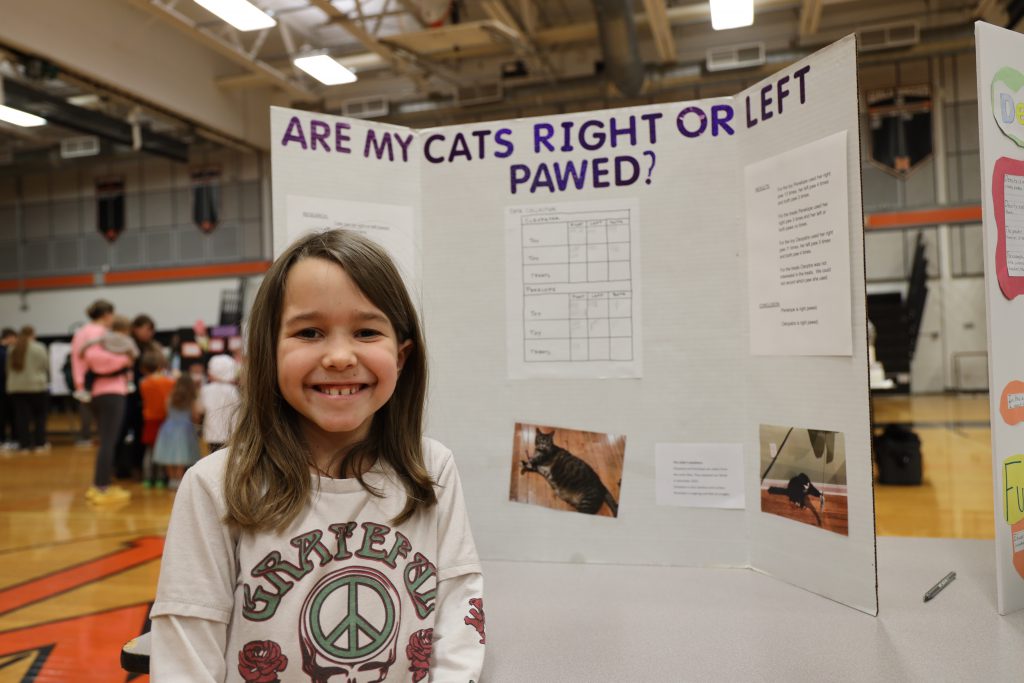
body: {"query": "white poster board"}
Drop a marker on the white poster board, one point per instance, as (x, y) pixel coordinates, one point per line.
(586, 276)
(1000, 61)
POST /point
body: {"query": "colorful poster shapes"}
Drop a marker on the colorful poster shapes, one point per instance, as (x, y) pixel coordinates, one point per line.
(1011, 403)
(1008, 202)
(1013, 506)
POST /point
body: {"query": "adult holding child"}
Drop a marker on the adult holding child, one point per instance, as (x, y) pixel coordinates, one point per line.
(28, 386)
(106, 395)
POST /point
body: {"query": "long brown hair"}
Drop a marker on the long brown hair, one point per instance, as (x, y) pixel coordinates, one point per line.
(266, 485)
(184, 393)
(21, 347)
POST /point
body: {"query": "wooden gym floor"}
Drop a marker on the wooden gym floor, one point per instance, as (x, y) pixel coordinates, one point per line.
(76, 582)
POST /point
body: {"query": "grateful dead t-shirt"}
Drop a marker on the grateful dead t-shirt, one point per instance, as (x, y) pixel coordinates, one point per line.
(341, 594)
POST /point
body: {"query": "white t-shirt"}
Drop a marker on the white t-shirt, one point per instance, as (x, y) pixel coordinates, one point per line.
(219, 403)
(340, 591)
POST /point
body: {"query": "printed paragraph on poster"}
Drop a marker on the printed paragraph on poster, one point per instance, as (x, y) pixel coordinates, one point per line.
(799, 252)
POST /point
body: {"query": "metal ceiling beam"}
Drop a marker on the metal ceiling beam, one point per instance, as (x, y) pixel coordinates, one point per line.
(810, 17)
(661, 31)
(562, 97)
(514, 33)
(168, 14)
(398, 63)
(413, 12)
(56, 110)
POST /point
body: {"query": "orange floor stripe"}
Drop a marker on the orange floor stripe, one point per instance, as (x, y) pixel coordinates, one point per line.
(141, 550)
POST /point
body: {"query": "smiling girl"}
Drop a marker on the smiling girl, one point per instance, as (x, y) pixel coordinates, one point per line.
(330, 539)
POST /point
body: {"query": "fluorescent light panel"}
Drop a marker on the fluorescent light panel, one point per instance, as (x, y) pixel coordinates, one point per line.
(241, 14)
(20, 118)
(726, 14)
(325, 69)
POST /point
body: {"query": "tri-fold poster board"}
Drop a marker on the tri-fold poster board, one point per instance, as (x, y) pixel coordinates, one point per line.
(646, 326)
(1000, 62)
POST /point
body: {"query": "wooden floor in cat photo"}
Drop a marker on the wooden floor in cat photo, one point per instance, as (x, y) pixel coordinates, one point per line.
(567, 469)
(832, 514)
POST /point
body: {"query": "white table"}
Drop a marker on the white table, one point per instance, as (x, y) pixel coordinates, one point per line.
(565, 622)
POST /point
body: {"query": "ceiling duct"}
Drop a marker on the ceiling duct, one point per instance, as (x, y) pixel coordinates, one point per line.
(617, 30)
(81, 146)
(479, 93)
(888, 36)
(58, 111)
(735, 57)
(366, 107)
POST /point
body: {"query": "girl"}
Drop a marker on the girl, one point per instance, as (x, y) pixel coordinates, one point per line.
(177, 446)
(155, 389)
(330, 539)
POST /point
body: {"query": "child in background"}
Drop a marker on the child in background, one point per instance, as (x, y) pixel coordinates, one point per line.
(218, 401)
(329, 505)
(197, 371)
(177, 446)
(155, 388)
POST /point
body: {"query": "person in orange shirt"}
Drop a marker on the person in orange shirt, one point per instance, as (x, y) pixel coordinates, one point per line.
(155, 388)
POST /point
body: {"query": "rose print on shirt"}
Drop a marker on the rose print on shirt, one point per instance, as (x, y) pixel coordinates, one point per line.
(260, 661)
(418, 651)
(476, 617)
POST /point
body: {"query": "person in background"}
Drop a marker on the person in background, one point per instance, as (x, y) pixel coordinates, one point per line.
(84, 410)
(28, 379)
(8, 439)
(197, 371)
(155, 388)
(101, 315)
(174, 355)
(218, 401)
(130, 450)
(177, 446)
(107, 398)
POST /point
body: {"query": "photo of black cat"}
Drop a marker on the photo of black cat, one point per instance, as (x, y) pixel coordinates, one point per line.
(803, 476)
(798, 490)
(558, 474)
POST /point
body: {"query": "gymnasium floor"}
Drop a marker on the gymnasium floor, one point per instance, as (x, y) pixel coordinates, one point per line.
(76, 582)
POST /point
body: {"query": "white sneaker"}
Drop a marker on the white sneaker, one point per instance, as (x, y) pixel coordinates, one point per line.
(42, 450)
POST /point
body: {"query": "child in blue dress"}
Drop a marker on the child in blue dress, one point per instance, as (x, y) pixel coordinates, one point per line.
(177, 445)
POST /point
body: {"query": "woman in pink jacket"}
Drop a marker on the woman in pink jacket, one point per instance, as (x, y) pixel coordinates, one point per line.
(108, 390)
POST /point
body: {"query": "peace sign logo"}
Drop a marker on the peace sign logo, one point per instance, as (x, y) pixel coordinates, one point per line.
(351, 615)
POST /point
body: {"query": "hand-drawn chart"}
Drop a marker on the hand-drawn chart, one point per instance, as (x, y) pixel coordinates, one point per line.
(573, 295)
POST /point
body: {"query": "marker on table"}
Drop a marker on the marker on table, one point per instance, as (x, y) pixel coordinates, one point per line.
(934, 590)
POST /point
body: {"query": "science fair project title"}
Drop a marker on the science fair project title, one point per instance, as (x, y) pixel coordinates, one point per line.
(611, 150)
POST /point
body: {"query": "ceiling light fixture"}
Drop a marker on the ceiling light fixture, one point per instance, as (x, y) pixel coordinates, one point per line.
(325, 69)
(726, 14)
(241, 14)
(20, 118)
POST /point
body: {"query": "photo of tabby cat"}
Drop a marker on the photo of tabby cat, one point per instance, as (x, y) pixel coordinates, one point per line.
(567, 469)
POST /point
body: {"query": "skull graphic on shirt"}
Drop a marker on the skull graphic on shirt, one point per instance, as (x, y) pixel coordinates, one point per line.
(348, 629)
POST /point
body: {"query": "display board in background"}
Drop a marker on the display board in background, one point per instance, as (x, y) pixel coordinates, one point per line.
(1000, 60)
(600, 286)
